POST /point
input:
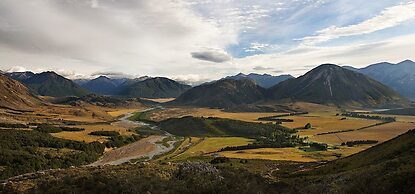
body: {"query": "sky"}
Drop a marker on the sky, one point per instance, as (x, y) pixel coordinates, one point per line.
(201, 40)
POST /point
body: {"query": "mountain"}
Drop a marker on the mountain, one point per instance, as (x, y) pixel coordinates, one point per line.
(224, 93)
(14, 95)
(264, 80)
(81, 82)
(51, 84)
(158, 87)
(400, 77)
(102, 85)
(20, 76)
(331, 84)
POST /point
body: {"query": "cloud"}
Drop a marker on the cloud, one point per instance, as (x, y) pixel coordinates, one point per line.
(260, 47)
(212, 55)
(112, 74)
(17, 69)
(392, 50)
(390, 17)
(261, 68)
(135, 37)
(192, 79)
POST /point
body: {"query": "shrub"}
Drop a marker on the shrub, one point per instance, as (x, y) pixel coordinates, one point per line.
(105, 133)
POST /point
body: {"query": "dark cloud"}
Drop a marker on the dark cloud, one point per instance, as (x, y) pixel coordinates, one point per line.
(261, 68)
(212, 56)
(278, 71)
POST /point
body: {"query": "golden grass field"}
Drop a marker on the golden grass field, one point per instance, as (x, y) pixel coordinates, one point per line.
(160, 100)
(326, 122)
(292, 154)
(381, 133)
(122, 111)
(160, 115)
(83, 135)
(210, 145)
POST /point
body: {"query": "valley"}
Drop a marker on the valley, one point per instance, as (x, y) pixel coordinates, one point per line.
(267, 135)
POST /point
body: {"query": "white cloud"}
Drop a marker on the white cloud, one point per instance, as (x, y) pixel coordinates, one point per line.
(262, 47)
(17, 69)
(389, 17)
(301, 59)
(138, 37)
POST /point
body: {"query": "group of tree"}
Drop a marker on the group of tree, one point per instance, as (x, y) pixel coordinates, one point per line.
(366, 116)
(47, 128)
(20, 152)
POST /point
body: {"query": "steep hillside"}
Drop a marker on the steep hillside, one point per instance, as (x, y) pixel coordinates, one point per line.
(225, 93)
(158, 87)
(264, 80)
(15, 95)
(51, 84)
(400, 77)
(331, 84)
(385, 168)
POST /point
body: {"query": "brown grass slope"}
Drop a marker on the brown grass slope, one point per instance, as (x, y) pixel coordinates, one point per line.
(14, 95)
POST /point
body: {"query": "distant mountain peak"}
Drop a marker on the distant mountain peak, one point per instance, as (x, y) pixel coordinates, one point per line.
(407, 62)
(332, 84)
(263, 80)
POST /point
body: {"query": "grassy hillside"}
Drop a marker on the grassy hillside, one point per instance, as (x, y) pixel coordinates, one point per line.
(386, 168)
(14, 95)
(197, 126)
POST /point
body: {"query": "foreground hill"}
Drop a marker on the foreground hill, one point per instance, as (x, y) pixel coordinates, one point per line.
(49, 84)
(225, 93)
(331, 84)
(158, 87)
(385, 168)
(14, 95)
(400, 77)
(264, 80)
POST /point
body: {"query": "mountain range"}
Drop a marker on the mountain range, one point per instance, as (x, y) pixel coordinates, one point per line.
(326, 84)
(400, 76)
(264, 80)
(332, 84)
(158, 87)
(144, 87)
(48, 84)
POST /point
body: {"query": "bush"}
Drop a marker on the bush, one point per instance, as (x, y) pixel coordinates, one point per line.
(105, 133)
(46, 128)
(12, 125)
(219, 160)
(307, 126)
(319, 146)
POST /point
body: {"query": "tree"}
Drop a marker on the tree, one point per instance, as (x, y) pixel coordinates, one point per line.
(307, 126)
